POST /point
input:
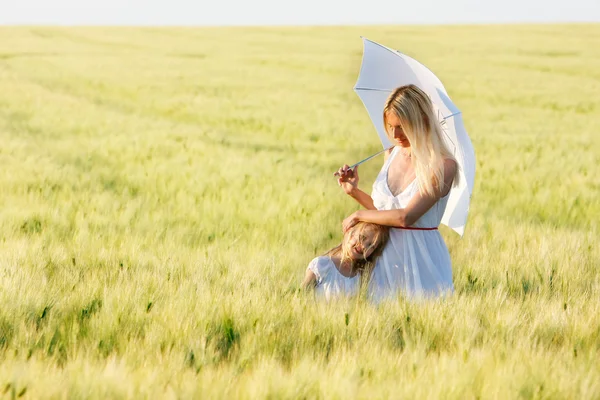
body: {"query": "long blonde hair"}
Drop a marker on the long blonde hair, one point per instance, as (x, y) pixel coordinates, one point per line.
(428, 149)
(365, 266)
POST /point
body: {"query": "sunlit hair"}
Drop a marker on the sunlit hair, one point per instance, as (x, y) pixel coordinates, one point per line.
(422, 129)
(379, 235)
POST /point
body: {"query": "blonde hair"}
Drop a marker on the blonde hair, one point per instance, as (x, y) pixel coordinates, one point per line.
(365, 266)
(428, 149)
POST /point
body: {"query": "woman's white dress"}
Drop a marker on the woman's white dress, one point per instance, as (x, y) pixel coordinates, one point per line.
(414, 262)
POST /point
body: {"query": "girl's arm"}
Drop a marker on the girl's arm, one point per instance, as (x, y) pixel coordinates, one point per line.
(310, 280)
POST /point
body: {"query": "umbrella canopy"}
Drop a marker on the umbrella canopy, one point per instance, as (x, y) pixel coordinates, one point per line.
(382, 71)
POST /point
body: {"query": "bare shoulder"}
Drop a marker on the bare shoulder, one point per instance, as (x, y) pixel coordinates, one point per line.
(387, 154)
(450, 174)
(450, 167)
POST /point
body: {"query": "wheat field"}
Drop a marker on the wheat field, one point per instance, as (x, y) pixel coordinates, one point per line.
(163, 190)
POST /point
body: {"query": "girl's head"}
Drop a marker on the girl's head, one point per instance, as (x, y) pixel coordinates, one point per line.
(411, 122)
(361, 246)
(364, 242)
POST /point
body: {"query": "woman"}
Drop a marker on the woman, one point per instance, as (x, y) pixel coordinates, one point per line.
(410, 196)
(343, 270)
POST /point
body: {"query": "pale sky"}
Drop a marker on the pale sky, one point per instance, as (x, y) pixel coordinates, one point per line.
(298, 12)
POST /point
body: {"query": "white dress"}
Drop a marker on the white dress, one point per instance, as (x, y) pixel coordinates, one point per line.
(414, 262)
(330, 282)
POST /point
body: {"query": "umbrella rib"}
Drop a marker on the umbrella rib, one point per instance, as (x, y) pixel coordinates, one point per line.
(373, 90)
(451, 115)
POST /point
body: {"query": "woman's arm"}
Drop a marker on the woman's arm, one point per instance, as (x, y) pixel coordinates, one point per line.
(362, 198)
(407, 216)
(401, 217)
(348, 180)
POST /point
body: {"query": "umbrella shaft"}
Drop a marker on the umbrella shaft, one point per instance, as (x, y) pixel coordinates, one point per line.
(368, 158)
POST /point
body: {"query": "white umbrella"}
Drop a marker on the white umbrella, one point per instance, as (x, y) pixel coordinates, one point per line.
(382, 71)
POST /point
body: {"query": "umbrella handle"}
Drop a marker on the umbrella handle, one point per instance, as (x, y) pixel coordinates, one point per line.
(366, 159)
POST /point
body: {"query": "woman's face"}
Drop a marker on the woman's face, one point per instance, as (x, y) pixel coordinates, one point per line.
(394, 129)
(359, 243)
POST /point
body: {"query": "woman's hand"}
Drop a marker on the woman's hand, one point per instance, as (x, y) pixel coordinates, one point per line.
(347, 178)
(350, 221)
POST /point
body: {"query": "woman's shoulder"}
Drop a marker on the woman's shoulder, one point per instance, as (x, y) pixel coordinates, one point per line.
(388, 153)
(450, 164)
(450, 171)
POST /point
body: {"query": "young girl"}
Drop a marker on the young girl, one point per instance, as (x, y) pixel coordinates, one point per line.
(346, 268)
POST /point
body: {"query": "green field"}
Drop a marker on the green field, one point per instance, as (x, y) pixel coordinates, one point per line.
(162, 191)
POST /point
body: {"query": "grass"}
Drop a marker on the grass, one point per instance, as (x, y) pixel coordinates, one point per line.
(163, 190)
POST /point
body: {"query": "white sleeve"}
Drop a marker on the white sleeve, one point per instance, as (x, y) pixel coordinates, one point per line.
(319, 266)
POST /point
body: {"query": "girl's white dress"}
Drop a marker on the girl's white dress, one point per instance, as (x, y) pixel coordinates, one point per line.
(414, 262)
(330, 282)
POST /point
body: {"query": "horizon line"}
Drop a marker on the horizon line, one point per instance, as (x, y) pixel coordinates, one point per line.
(298, 25)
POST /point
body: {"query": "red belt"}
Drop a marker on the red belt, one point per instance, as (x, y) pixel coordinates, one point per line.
(412, 228)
